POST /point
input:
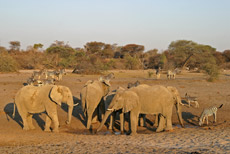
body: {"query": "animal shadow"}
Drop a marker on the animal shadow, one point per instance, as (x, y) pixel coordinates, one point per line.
(9, 110)
(77, 110)
(190, 118)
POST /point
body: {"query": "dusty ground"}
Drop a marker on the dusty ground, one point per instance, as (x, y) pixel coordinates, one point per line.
(214, 138)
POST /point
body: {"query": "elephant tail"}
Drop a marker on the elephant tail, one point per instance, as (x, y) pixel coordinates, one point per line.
(13, 115)
(83, 96)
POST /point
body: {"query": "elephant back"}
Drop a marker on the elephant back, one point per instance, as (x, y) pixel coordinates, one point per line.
(32, 98)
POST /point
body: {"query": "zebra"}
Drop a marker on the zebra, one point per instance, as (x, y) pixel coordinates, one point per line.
(109, 76)
(52, 75)
(38, 74)
(49, 82)
(208, 112)
(130, 85)
(158, 74)
(191, 100)
(59, 74)
(171, 75)
(30, 81)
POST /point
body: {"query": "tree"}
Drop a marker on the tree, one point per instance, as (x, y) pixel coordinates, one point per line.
(59, 52)
(15, 45)
(37, 46)
(132, 49)
(220, 59)
(95, 47)
(148, 58)
(183, 52)
(226, 54)
(132, 62)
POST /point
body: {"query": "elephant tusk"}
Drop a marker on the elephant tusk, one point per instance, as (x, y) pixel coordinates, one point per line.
(75, 104)
(109, 109)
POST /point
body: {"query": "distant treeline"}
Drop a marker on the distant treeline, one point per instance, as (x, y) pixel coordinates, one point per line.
(97, 56)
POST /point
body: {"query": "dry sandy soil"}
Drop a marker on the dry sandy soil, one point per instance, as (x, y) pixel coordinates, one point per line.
(74, 138)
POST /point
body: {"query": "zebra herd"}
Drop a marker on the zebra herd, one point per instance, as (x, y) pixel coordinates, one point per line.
(45, 77)
(170, 74)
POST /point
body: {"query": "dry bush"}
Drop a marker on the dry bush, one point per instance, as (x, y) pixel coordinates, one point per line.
(86, 67)
(7, 63)
(29, 60)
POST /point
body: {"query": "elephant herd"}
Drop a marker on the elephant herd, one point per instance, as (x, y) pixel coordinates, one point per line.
(99, 102)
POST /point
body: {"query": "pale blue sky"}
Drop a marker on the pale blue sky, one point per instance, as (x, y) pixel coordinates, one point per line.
(152, 23)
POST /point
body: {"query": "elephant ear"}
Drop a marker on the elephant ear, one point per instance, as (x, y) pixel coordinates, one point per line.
(106, 82)
(56, 94)
(174, 91)
(131, 101)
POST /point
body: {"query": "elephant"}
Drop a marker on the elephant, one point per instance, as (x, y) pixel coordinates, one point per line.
(92, 98)
(107, 101)
(176, 95)
(142, 116)
(146, 100)
(32, 99)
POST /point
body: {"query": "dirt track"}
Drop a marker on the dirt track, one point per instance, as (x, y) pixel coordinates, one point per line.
(76, 139)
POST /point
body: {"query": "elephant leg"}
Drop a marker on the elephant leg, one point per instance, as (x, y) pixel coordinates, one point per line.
(102, 110)
(168, 123)
(142, 120)
(161, 125)
(112, 120)
(25, 122)
(169, 120)
(122, 122)
(134, 122)
(29, 120)
(156, 121)
(48, 123)
(89, 120)
(95, 115)
(214, 116)
(24, 114)
(56, 123)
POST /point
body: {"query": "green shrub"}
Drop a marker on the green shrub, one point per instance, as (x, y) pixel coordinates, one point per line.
(150, 74)
(132, 63)
(212, 71)
(7, 63)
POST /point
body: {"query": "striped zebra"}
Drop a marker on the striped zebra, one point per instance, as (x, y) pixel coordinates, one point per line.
(208, 112)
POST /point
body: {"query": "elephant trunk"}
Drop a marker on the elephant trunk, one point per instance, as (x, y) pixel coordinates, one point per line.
(178, 110)
(107, 113)
(70, 111)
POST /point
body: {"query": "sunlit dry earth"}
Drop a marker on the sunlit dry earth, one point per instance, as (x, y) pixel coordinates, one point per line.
(75, 138)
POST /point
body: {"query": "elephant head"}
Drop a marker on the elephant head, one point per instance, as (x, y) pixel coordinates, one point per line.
(62, 94)
(101, 86)
(125, 100)
(105, 85)
(177, 98)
